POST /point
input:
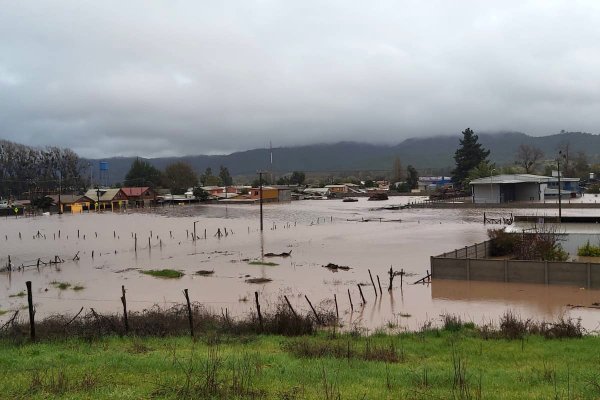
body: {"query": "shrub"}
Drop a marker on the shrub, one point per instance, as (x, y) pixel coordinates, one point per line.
(588, 250)
(502, 243)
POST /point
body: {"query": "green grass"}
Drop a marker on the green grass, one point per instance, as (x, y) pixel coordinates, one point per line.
(431, 365)
(20, 294)
(61, 285)
(2, 312)
(77, 288)
(163, 273)
(269, 264)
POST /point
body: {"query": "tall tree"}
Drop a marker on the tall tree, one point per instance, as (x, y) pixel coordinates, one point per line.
(581, 166)
(397, 170)
(564, 149)
(468, 156)
(179, 177)
(226, 178)
(208, 179)
(483, 170)
(142, 173)
(412, 177)
(297, 178)
(528, 157)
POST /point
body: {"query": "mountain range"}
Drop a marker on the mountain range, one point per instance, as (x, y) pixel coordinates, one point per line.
(429, 155)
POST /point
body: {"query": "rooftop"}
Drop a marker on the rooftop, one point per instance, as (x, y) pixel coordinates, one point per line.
(518, 178)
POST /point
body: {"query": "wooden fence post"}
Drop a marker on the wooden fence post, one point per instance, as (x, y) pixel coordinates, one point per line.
(337, 312)
(361, 294)
(290, 306)
(189, 308)
(373, 283)
(350, 298)
(31, 311)
(260, 320)
(314, 311)
(124, 301)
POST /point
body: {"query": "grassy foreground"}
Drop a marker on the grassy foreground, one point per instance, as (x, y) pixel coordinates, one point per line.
(431, 365)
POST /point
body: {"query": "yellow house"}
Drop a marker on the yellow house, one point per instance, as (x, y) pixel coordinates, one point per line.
(269, 194)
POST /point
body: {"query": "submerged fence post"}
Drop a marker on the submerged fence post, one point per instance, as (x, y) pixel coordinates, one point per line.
(31, 311)
(350, 298)
(373, 283)
(189, 308)
(361, 294)
(124, 301)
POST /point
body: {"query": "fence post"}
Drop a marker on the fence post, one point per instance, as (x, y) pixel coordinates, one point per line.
(314, 311)
(350, 298)
(31, 310)
(260, 320)
(124, 301)
(337, 312)
(373, 283)
(189, 308)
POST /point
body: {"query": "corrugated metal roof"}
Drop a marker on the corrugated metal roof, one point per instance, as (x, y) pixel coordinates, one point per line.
(513, 178)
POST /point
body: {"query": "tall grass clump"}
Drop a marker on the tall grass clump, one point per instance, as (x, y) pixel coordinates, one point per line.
(588, 250)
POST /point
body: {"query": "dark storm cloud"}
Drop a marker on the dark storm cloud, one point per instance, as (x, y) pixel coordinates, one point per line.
(183, 77)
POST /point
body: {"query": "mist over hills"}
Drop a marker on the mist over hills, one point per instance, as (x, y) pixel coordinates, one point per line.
(433, 154)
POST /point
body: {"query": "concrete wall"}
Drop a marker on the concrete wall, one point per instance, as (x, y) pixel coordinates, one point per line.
(586, 275)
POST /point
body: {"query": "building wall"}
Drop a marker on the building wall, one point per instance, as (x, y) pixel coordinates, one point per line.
(529, 191)
(486, 193)
(268, 194)
(285, 195)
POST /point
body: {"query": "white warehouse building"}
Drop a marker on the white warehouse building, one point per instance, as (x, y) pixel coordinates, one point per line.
(520, 187)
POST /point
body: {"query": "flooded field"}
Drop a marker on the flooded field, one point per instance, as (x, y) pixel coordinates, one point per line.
(316, 232)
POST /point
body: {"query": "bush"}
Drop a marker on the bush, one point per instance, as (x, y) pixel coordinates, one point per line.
(502, 243)
(588, 250)
(594, 189)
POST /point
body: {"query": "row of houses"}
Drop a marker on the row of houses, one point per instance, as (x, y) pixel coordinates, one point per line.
(120, 198)
(103, 199)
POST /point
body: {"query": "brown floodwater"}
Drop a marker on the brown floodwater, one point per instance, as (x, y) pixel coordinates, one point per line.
(358, 235)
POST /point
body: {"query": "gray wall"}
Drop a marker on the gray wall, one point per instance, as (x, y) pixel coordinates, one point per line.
(486, 193)
(580, 274)
(527, 191)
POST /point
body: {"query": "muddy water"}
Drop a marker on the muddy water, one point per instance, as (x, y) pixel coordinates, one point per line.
(317, 232)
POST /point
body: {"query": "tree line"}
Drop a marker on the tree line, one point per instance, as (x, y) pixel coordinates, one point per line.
(38, 171)
(178, 177)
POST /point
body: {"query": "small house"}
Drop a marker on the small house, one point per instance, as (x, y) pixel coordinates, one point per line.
(140, 196)
(108, 198)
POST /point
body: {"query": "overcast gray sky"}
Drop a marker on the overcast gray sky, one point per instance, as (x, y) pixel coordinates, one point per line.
(156, 78)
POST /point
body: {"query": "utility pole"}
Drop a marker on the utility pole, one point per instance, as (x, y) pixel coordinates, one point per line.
(59, 191)
(260, 194)
(559, 189)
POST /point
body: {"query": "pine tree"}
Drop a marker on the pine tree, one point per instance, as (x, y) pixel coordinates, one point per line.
(469, 155)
